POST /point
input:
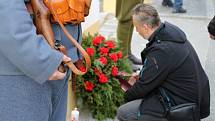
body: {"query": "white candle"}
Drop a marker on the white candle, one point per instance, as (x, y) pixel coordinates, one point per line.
(75, 114)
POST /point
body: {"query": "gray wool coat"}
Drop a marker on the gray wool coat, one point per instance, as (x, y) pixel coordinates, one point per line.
(26, 62)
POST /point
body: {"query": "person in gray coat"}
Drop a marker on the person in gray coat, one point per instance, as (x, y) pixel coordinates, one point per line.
(59, 88)
(28, 66)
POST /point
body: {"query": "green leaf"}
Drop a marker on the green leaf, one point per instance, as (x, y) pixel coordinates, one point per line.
(104, 100)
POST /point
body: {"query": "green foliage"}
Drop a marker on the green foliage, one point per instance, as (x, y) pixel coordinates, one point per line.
(98, 89)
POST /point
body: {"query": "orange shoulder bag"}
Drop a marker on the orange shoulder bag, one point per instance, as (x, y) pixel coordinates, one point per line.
(68, 11)
(43, 25)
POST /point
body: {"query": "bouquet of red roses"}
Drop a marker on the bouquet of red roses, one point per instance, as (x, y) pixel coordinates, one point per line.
(99, 89)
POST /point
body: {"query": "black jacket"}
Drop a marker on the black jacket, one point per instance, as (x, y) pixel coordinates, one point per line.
(171, 62)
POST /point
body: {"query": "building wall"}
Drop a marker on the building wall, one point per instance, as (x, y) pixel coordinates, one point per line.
(94, 15)
(109, 6)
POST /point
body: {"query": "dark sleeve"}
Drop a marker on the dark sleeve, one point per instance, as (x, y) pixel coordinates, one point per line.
(154, 72)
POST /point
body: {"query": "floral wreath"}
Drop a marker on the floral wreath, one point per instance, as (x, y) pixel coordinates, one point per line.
(99, 90)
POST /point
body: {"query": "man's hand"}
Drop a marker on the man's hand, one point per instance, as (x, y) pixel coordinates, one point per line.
(133, 78)
(57, 75)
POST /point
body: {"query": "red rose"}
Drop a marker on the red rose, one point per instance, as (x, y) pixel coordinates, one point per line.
(110, 44)
(103, 78)
(103, 60)
(89, 86)
(82, 68)
(115, 71)
(104, 50)
(114, 57)
(120, 55)
(98, 40)
(90, 51)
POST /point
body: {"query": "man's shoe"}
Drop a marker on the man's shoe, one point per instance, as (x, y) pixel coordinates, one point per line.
(134, 59)
(135, 67)
(167, 3)
(181, 10)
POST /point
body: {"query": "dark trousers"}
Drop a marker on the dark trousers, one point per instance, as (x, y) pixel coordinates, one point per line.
(178, 4)
(151, 118)
(130, 112)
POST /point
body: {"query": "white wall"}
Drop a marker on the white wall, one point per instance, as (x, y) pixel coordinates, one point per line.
(94, 15)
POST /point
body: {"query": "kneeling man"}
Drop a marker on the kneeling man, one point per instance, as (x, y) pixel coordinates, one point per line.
(170, 64)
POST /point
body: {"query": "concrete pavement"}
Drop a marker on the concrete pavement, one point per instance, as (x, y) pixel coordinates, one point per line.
(195, 8)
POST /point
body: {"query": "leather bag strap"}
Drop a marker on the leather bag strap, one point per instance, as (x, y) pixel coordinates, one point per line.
(79, 47)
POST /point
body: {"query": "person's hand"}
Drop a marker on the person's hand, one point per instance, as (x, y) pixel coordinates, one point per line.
(136, 75)
(133, 78)
(57, 75)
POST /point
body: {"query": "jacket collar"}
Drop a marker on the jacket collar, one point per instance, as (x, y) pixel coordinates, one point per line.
(153, 37)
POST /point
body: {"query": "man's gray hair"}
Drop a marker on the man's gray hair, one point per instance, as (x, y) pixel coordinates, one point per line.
(146, 14)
